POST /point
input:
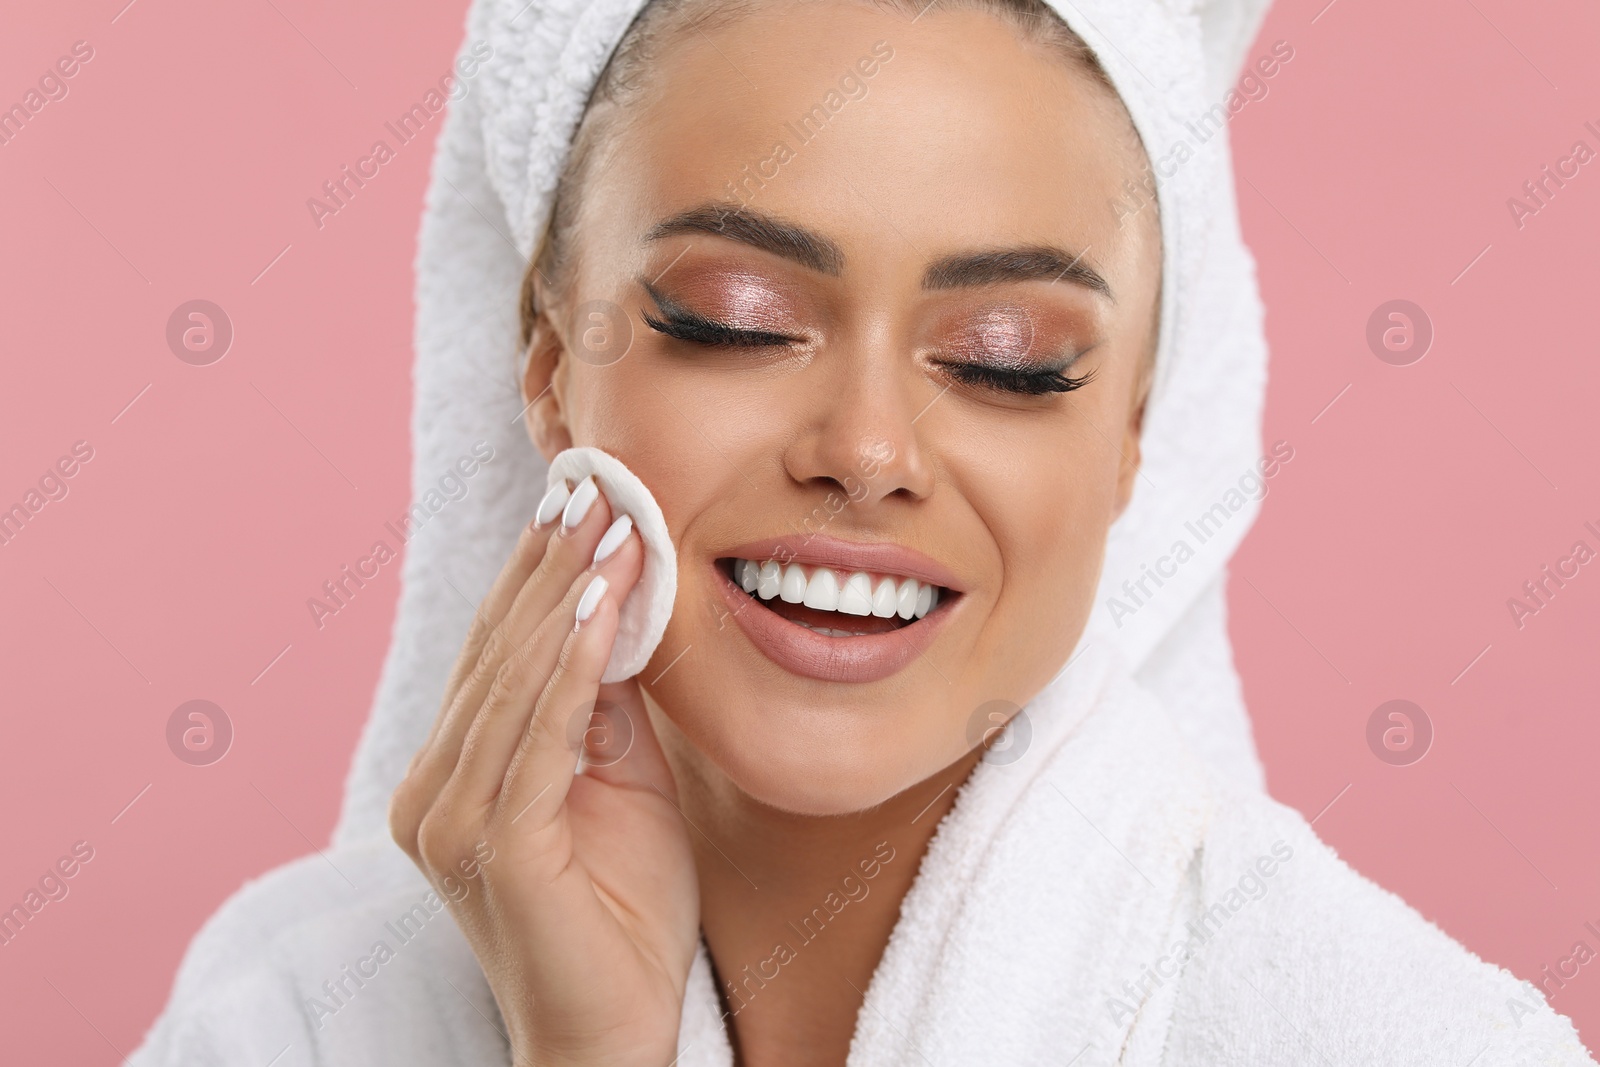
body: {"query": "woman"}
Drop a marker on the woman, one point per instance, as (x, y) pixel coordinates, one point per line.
(877, 300)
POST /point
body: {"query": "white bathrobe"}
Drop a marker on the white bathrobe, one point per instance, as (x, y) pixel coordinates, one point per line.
(1102, 900)
(1120, 893)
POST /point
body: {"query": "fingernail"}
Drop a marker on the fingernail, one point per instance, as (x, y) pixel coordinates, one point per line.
(615, 534)
(551, 505)
(592, 594)
(583, 498)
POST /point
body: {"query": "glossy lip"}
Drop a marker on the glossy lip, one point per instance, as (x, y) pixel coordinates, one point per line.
(867, 658)
(881, 557)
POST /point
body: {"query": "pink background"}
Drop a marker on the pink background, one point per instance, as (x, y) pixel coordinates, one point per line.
(1377, 167)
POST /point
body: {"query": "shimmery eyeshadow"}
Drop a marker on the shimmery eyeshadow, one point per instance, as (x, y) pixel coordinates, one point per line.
(735, 297)
(996, 334)
(1004, 332)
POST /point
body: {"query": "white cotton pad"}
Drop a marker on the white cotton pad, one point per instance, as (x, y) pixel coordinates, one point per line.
(649, 604)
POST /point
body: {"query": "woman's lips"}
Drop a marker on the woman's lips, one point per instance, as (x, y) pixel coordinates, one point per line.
(865, 658)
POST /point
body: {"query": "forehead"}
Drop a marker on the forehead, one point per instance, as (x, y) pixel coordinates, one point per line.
(950, 131)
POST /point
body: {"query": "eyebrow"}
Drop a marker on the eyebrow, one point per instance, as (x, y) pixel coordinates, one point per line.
(766, 232)
(810, 249)
(1040, 263)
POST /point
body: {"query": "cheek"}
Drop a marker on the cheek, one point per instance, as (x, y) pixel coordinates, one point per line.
(694, 435)
(1047, 506)
(638, 417)
(693, 444)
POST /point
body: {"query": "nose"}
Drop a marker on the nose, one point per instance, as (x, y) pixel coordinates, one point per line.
(863, 437)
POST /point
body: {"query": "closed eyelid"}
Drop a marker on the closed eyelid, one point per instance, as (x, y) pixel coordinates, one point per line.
(689, 325)
(667, 305)
(1020, 334)
(672, 306)
(1005, 337)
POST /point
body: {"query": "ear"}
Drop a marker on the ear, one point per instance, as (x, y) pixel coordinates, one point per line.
(544, 382)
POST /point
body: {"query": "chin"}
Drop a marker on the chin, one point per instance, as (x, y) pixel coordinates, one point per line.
(840, 780)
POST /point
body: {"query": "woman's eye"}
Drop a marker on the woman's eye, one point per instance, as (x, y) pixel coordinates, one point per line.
(991, 346)
(998, 338)
(1008, 379)
(686, 325)
(703, 331)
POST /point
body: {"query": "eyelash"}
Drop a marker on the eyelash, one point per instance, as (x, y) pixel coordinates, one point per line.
(1031, 383)
(685, 325)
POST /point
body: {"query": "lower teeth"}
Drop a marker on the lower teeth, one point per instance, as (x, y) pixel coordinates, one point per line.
(828, 631)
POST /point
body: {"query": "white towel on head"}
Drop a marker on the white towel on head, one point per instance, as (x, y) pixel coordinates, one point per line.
(1100, 896)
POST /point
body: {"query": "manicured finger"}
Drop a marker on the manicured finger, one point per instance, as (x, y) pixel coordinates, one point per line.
(502, 594)
(568, 553)
(500, 724)
(524, 560)
(540, 772)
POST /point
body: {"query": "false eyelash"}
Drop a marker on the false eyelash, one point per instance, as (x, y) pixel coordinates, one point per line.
(686, 325)
(714, 334)
(1030, 383)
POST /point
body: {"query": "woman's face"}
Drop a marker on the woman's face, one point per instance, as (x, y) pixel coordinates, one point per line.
(851, 248)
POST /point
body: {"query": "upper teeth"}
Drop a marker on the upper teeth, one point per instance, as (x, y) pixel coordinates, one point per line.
(823, 588)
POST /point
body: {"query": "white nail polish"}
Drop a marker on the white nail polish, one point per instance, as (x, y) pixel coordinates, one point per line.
(553, 502)
(583, 499)
(592, 593)
(615, 534)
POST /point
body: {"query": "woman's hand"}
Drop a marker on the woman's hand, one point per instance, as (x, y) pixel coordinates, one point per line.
(577, 892)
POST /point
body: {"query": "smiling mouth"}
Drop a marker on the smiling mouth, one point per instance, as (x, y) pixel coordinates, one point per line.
(833, 602)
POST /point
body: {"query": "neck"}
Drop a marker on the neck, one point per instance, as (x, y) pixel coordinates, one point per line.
(797, 909)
